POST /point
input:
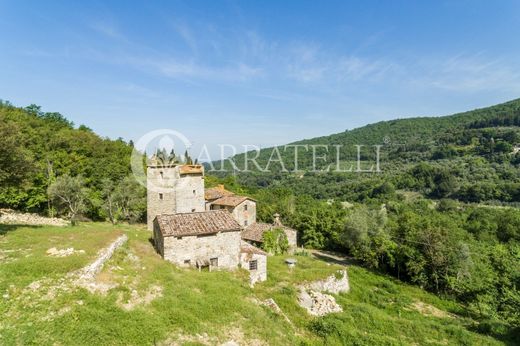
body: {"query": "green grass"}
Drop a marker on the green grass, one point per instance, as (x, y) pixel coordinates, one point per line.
(219, 306)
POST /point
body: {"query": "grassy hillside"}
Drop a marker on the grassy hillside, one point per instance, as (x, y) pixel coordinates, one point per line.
(142, 299)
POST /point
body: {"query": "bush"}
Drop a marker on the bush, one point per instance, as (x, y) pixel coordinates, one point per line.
(275, 241)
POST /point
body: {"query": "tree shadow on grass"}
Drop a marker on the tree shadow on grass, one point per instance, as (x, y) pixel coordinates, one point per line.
(499, 330)
(333, 257)
(4, 228)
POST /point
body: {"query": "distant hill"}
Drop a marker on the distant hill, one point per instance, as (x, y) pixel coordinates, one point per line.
(428, 132)
(475, 144)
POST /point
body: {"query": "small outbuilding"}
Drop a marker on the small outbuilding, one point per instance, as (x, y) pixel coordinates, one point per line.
(254, 233)
(202, 239)
(254, 260)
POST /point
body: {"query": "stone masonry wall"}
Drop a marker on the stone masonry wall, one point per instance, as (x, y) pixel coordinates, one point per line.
(243, 214)
(260, 274)
(224, 245)
(189, 191)
(292, 237)
(157, 184)
(168, 192)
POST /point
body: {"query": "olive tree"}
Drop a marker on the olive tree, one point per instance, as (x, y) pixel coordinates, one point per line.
(69, 195)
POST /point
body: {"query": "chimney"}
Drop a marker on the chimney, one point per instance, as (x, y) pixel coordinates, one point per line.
(276, 220)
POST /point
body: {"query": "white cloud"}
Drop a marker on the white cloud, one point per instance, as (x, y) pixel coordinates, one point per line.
(471, 74)
(191, 70)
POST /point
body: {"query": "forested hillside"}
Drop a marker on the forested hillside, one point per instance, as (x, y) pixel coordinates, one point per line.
(470, 157)
(442, 213)
(40, 147)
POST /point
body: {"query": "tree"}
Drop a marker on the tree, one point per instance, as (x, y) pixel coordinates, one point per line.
(69, 195)
(130, 199)
(110, 206)
(366, 237)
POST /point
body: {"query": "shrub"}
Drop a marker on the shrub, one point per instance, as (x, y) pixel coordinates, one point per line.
(275, 241)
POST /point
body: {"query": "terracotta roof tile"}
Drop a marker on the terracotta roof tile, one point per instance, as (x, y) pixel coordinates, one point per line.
(207, 222)
(216, 193)
(256, 231)
(191, 169)
(231, 201)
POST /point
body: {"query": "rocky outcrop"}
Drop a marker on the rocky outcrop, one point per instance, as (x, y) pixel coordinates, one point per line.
(317, 303)
(11, 217)
(312, 297)
(53, 252)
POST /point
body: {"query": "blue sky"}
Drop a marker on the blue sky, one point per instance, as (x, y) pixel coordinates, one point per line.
(264, 72)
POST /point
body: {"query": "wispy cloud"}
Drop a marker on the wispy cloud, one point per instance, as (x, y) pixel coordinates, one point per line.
(310, 64)
(247, 56)
(191, 70)
(471, 73)
(107, 29)
(186, 34)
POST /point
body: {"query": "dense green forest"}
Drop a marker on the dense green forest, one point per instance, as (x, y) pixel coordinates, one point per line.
(41, 148)
(442, 213)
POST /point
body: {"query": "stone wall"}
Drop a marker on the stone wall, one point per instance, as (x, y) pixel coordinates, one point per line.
(158, 239)
(292, 238)
(189, 194)
(169, 192)
(245, 213)
(260, 274)
(224, 245)
(160, 181)
(8, 216)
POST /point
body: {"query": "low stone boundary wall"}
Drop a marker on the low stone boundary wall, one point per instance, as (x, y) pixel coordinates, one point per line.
(89, 272)
(11, 217)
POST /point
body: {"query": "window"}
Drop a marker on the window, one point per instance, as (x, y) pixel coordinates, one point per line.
(193, 210)
(194, 191)
(162, 174)
(160, 196)
(213, 262)
(187, 261)
(245, 207)
(253, 265)
(245, 223)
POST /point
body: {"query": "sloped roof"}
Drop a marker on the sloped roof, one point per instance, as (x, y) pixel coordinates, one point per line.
(231, 201)
(255, 232)
(245, 247)
(216, 193)
(201, 223)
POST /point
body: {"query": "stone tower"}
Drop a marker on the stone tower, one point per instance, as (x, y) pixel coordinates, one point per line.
(173, 189)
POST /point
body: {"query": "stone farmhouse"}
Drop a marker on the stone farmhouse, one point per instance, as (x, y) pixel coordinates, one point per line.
(204, 228)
